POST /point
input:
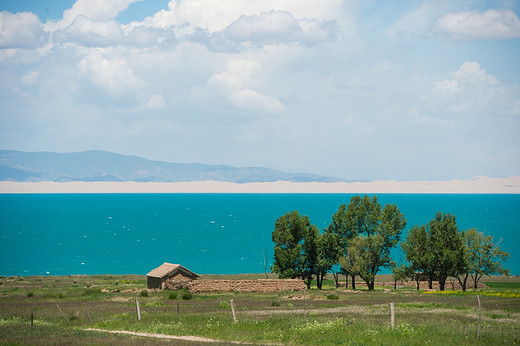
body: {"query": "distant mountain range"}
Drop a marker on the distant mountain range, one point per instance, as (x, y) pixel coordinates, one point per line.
(98, 165)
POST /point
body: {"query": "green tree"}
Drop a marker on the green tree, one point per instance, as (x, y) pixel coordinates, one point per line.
(400, 272)
(484, 256)
(447, 246)
(299, 249)
(344, 231)
(417, 249)
(289, 231)
(329, 250)
(310, 254)
(378, 231)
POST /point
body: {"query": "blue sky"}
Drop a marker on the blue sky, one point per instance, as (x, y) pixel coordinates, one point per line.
(362, 90)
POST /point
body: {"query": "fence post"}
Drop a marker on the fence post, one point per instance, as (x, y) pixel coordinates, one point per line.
(178, 309)
(138, 309)
(62, 314)
(32, 319)
(233, 311)
(305, 305)
(479, 317)
(392, 316)
(88, 314)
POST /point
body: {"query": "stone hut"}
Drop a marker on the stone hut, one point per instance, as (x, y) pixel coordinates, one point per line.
(167, 271)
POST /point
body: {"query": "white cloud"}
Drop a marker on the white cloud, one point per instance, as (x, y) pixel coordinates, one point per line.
(278, 27)
(471, 88)
(113, 75)
(490, 24)
(90, 33)
(415, 23)
(98, 10)
(240, 82)
(20, 30)
(30, 78)
(215, 15)
(155, 102)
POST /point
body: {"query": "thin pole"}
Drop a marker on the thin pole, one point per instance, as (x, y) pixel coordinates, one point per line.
(32, 319)
(178, 309)
(62, 314)
(88, 315)
(233, 311)
(479, 317)
(392, 316)
(305, 305)
(138, 309)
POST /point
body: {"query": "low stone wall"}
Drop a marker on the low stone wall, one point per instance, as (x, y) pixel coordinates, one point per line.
(423, 285)
(198, 286)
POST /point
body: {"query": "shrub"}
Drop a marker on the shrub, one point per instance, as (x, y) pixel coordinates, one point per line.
(30, 294)
(275, 303)
(333, 297)
(186, 295)
(172, 295)
(144, 293)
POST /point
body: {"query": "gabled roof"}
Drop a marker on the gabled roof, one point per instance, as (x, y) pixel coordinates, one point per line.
(167, 268)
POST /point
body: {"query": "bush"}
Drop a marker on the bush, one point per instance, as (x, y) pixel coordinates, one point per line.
(275, 303)
(172, 296)
(186, 295)
(333, 297)
(144, 293)
(30, 294)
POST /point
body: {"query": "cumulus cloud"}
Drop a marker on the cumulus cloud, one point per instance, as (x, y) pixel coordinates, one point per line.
(113, 75)
(471, 88)
(98, 10)
(143, 36)
(278, 27)
(20, 30)
(155, 102)
(240, 82)
(267, 28)
(490, 24)
(90, 33)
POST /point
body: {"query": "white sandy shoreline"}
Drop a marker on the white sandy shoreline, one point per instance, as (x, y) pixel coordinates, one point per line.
(475, 185)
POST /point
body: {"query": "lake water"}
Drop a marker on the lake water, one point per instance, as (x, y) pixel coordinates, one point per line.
(61, 234)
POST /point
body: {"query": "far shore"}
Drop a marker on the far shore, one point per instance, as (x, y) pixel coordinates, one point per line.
(477, 185)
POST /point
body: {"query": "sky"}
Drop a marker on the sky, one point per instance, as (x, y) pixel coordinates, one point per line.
(360, 90)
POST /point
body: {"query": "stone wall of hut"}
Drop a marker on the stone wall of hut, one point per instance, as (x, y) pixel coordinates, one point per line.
(198, 286)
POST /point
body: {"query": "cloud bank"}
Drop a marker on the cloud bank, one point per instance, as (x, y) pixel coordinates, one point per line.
(415, 90)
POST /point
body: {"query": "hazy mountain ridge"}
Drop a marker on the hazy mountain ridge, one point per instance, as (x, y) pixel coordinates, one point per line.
(98, 165)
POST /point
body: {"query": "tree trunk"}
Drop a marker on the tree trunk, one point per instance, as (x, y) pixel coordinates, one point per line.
(353, 282)
(370, 285)
(442, 282)
(418, 283)
(395, 284)
(430, 284)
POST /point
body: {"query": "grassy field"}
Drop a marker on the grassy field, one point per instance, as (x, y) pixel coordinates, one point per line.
(63, 307)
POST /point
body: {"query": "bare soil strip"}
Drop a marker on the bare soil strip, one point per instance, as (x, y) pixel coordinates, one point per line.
(164, 336)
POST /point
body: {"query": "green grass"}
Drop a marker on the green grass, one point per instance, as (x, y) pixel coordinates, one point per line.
(334, 316)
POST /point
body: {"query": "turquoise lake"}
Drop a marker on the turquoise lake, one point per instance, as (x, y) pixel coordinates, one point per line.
(61, 234)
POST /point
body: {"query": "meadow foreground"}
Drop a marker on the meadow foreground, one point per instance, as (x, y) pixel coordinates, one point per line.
(80, 309)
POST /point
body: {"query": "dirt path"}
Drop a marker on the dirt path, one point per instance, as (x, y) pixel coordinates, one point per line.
(172, 337)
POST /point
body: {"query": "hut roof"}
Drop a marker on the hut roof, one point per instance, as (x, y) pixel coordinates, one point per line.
(166, 269)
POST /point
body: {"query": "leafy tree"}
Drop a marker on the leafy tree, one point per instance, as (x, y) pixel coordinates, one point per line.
(447, 247)
(344, 231)
(289, 231)
(298, 251)
(329, 250)
(310, 254)
(417, 249)
(400, 273)
(378, 231)
(484, 256)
